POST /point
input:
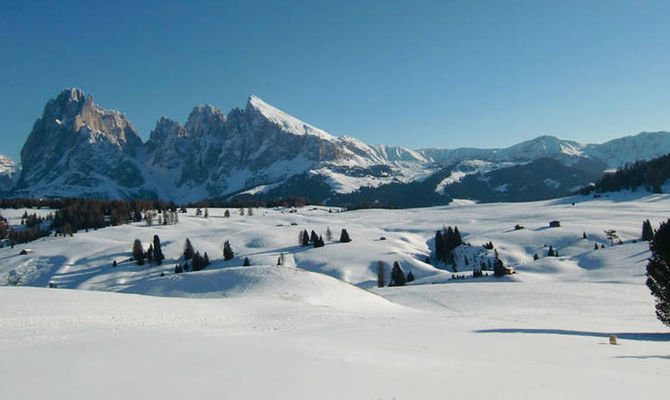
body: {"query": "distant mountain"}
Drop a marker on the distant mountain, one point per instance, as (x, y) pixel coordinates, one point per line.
(79, 149)
(8, 172)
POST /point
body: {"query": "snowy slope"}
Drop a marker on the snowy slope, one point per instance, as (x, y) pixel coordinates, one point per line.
(295, 328)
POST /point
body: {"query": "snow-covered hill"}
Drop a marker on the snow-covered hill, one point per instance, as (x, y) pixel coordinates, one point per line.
(222, 330)
(79, 149)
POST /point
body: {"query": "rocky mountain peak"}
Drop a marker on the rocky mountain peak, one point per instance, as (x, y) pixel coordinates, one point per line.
(205, 120)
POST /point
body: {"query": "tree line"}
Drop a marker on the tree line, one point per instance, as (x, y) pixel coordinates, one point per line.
(650, 174)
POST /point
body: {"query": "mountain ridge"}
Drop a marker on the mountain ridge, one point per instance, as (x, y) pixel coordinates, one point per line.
(80, 149)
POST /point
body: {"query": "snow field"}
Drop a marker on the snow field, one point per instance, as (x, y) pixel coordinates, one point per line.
(295, 332)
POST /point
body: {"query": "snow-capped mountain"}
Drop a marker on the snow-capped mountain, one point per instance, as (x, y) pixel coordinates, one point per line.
(8, 172)
(79, 149)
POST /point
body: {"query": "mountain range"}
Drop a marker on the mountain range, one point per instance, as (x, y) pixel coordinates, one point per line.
(78, 149)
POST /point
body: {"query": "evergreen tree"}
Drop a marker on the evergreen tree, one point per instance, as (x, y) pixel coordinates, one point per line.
(205, 259)
(584, 235)
(197, 263)
(647, 231)
(439, 246)
(658, 271)
(178, 269)
(595, 246)
(551, 252)
(611, 235)
(206, 213)
(329, 234)
(150, 254)
(536, 257)
(457, 237)
(410, 276)
(344, 236)
(227, 251)
(138, 252)
(381, 275)
(114, 264)
(313, 238)
(226, 214)
(188, 250)
(318, 242)
(499, 268)
(246, 262)
(158, 252)
(397, 275)
(305, 238)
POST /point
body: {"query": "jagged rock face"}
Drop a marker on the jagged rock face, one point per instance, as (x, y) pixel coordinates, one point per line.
(250, 147)
(78, 149)
(77, 146)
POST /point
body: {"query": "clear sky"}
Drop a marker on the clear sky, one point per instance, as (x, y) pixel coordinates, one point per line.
(411, 73)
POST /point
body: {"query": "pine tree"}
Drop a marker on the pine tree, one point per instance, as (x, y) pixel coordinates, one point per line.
(344, 236)
(227, 251)
(611, 235)
(114, 264)
(536, 257)
(397, 275)
(246, 262)
(206, 213)
(584, 235)
(647, 231)
(595, 246)
(138, 252)
(457, 237)
(188, 250)
(150, 254)
(551, 252)
(658, 271)
(381, 275)
(329, 234)
(197, 263)
(158, 252)
(178, 269)
(439, 246)
(499, 268)
(226, 214)
(205, 260)
(410, 276)
(305, 238)
(313, 237)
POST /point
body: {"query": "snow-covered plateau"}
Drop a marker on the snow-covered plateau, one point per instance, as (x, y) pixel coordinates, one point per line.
(318, 326)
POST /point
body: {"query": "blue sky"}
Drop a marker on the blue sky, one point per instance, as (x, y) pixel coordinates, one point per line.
(411, 73)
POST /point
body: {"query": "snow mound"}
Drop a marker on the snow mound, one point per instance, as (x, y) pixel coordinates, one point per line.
(262, 281)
